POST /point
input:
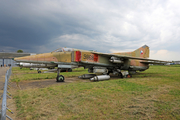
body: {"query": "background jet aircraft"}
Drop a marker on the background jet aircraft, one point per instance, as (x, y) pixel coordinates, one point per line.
(95, 62)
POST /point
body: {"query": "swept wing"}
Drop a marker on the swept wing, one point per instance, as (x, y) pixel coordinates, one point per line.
(146, 60)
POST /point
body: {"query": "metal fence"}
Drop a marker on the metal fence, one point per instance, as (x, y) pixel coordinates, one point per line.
(5, 94)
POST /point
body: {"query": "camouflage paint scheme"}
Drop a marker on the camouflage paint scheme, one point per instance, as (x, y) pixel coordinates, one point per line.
(131, 61)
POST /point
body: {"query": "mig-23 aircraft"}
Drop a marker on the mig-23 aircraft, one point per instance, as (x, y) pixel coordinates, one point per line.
(96, 62)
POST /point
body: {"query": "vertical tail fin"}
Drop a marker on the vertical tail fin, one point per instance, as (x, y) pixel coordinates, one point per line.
(142, 52)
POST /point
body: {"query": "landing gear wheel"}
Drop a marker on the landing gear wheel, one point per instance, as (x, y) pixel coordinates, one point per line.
(109, 72)
(60, 78)
(39, 71)
(120, 75)
(69, 70)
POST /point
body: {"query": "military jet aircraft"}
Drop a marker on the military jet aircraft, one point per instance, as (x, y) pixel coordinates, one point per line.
(96, 62)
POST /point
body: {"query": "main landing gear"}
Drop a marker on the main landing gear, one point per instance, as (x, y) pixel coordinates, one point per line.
(38, 70)
(59, 78)
(120, 75)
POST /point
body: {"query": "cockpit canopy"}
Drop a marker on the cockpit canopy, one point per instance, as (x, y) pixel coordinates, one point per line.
(64, 50)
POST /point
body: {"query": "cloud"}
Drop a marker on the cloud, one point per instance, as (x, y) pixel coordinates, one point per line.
(79, 41)
(165, 55)
(103, 25)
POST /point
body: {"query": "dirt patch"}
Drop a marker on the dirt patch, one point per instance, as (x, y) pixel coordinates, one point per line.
(48, 82)
(45, 83)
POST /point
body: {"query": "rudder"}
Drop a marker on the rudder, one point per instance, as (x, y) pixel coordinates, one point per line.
(142, 52)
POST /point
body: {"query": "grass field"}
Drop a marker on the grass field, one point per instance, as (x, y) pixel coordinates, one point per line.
(152, 94)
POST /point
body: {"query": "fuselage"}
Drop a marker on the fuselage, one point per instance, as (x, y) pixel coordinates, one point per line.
(87, 59)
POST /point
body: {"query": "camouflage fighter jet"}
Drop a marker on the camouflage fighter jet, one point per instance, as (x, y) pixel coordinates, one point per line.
(95, 62)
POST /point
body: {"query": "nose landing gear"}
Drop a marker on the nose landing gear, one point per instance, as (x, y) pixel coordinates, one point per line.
(59, 78)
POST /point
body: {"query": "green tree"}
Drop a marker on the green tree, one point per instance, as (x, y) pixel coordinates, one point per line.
(20, 51)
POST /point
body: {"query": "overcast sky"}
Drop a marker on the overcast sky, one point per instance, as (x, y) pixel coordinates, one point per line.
(41, 26)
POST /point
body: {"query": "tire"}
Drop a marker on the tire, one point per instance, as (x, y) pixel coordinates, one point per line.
(63, 70)
(60, 78)
(109, 72)
(69, 70)
(120, 75)
(39, 71)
